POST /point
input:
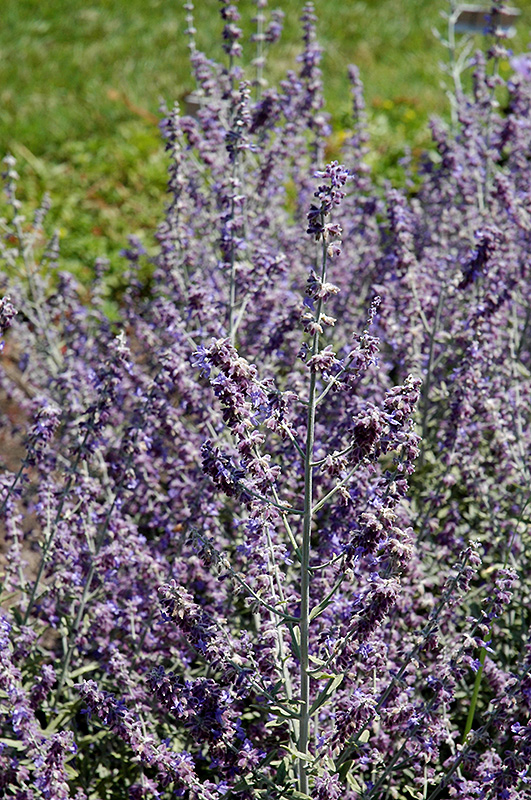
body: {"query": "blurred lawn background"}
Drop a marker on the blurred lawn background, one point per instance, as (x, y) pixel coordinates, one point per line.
(81, 84)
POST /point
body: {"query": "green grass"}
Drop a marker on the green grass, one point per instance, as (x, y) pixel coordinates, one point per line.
(81, 84)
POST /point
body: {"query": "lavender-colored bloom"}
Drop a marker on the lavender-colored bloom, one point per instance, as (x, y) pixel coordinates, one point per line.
(274, 29)
(7, 313)
(522, 65)
(293, 492)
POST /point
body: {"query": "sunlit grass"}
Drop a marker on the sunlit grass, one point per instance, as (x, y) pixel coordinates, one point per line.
(81, 86)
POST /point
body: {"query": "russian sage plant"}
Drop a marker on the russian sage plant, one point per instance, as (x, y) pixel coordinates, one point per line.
(266, 535)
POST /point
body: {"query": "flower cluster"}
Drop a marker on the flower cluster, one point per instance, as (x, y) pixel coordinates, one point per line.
(265, 533)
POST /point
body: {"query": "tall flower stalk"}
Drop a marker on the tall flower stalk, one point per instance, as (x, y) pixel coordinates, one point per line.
(225, 571)
(328, 235)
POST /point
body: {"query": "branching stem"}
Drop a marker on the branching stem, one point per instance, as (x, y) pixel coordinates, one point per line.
(305, 554)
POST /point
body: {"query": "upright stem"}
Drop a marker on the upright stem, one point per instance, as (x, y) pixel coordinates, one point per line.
(305, 588)
(455, 99)
(429, 375)
(26, 250)
(232, 285)
(259, 52)
(475, 694)
(305, 559)
(489, 165)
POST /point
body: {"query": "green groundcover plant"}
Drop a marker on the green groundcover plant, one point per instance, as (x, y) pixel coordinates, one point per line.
(266, 534)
